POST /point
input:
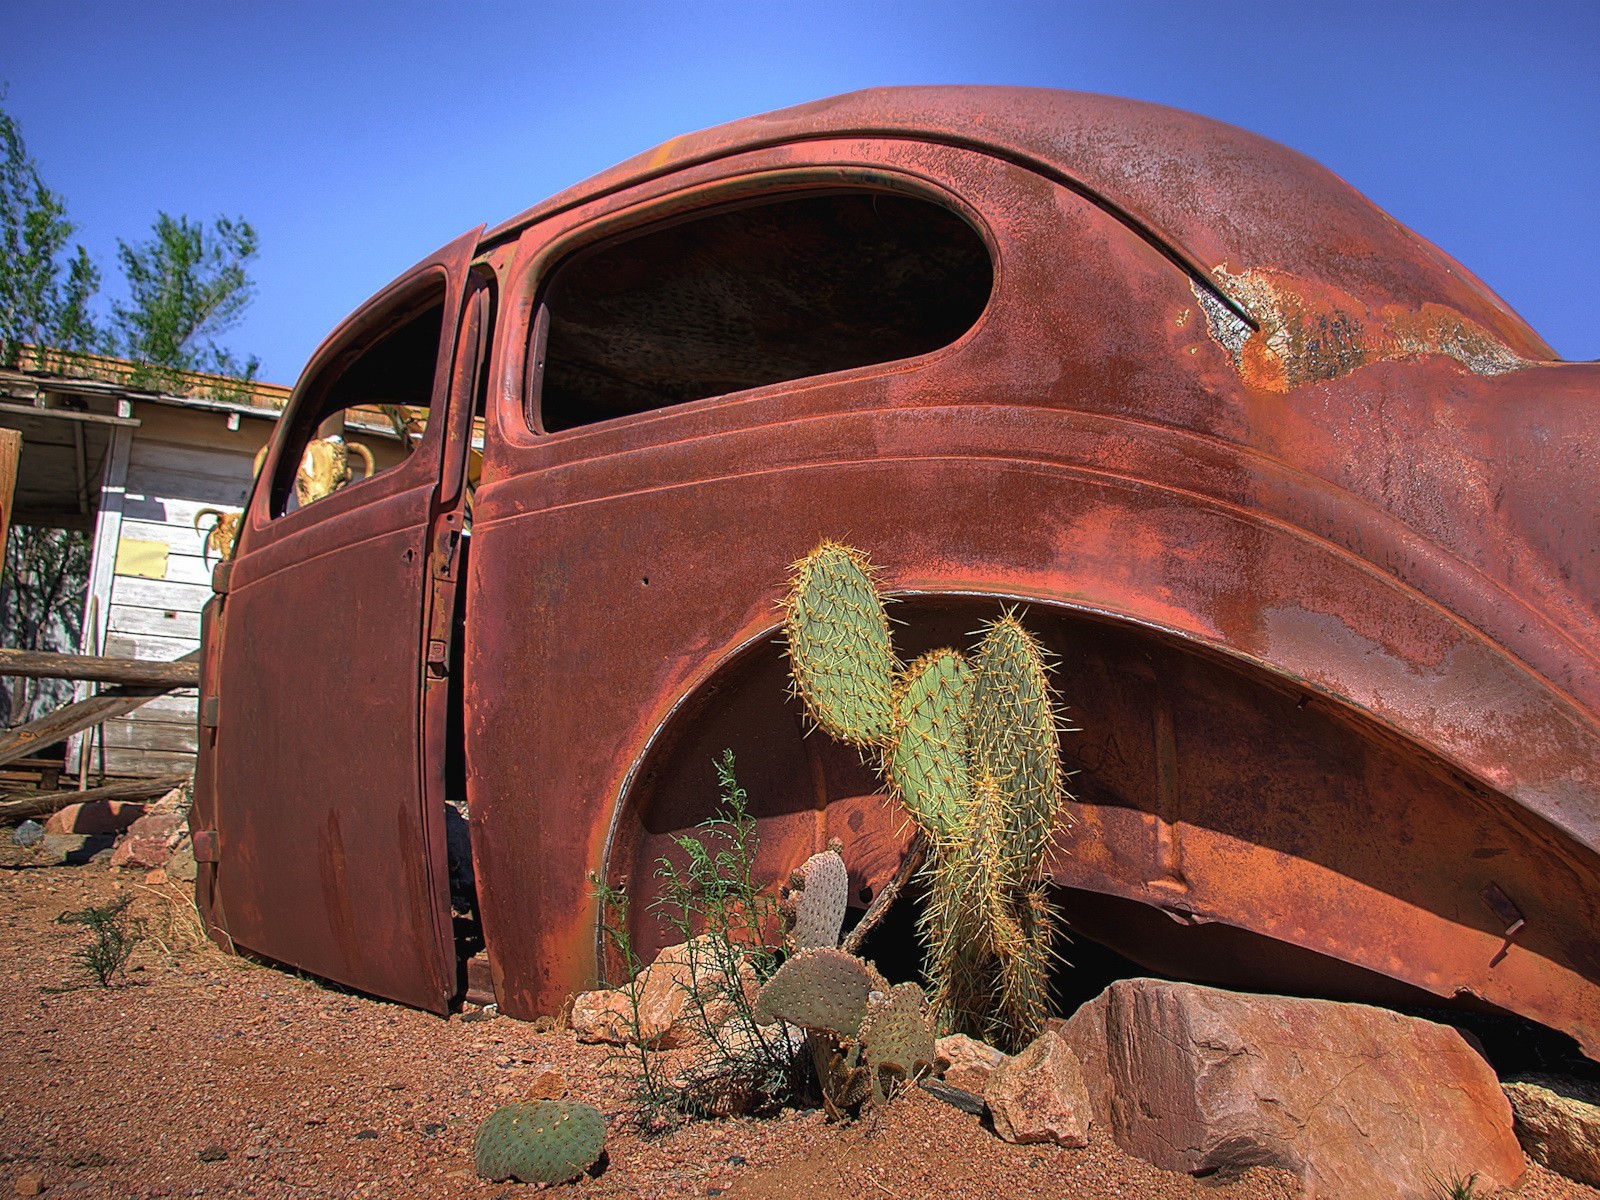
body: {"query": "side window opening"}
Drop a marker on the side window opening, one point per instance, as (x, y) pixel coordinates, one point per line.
(754, 295)
(368, 410)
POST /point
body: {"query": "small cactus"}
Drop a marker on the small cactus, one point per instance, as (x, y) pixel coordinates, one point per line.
(821, 892)
(821, 989)
(843, 665)
(897, 1037)
(543, 1142)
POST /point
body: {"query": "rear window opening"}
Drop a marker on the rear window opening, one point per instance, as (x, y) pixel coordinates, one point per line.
(755, 295)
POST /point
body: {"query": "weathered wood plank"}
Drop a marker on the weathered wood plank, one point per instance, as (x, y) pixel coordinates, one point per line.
(18, 808)
(173, 708)
(10, 454)
(40, 664)
(148, 648)
(70, 719)
(207, 489)
(162, 622)
(121, 761)
(134, 734)
(181, 568)
(157, 593)
(192, 460)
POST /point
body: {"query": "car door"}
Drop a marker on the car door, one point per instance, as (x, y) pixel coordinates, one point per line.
(319, 803)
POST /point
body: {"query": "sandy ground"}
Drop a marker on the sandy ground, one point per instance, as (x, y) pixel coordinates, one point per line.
(206, 1075)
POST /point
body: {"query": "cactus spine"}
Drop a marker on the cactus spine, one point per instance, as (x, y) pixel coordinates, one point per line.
(969, 747)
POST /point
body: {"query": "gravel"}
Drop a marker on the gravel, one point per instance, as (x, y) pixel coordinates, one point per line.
(203, 1074)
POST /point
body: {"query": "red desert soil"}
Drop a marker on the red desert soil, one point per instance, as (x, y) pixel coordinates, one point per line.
(205, 1075)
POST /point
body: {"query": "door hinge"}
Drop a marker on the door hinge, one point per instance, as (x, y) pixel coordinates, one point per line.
(209, 707)
(205, 845)
(220, 575)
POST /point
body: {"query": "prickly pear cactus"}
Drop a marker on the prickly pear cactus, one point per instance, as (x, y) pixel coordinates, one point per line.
(839, 651)
(897, 1037)
(1015, 738)
(819, 900)
(927, 765)
(821, 989)
(543, 1142)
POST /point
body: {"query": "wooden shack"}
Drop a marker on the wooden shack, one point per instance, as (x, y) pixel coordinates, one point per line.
(136, 469)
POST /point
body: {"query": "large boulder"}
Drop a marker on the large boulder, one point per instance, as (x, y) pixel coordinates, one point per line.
(1357, 1101)
(1558, 1124)
(1038, 1095)
(150, 840)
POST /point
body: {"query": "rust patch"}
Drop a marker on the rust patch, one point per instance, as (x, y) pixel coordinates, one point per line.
(1310, 332)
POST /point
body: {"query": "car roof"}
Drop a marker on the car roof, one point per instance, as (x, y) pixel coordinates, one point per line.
(1222, 201)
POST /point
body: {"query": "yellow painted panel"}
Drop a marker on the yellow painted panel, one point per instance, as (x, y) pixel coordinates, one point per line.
(146, 560)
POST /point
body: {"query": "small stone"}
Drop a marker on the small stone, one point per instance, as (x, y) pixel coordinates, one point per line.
(1038, 1095)
(965, 1062)
(1558, 1124)
(547, 1084)
(29, 833)
(367, 1135)
(432, 1129)
(29, 1185)
(213, 1153)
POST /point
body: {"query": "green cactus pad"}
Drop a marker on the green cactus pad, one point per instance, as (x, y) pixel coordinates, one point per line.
(1014, 738)
(843, 664)
(820, 901)
(896, 1035)
(928, 763)
(546, 1141)
(821, 989)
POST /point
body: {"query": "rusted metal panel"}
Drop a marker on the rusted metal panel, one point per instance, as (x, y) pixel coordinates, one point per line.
(319, 777)
(1307, 512)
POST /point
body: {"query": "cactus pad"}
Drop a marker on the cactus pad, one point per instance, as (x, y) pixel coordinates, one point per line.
(896, 1035)
(542, 1142)
(1014, 738)
(819, 902)
(821, 989)
(844, 667)
(928, 763)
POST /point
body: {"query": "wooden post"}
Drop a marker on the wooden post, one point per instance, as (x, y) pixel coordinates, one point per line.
(10, 453)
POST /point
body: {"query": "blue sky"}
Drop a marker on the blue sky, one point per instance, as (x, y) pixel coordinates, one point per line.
(358, 137)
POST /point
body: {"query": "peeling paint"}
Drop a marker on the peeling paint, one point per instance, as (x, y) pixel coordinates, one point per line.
(1310, 332)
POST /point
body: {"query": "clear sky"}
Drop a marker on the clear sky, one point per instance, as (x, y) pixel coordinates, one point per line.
(357, 137)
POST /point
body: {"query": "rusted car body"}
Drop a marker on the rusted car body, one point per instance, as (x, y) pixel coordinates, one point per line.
(1306, 512)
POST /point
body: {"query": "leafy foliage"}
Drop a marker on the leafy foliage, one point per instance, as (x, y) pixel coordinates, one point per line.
(187, 285)
(44, 297)
(114, 937)
(41, 608)
(714, 905)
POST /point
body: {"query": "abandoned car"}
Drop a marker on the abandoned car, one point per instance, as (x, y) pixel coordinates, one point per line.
(1306, 513)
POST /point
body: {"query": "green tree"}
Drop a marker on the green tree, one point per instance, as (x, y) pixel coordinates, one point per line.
(187, 285)
(42, 302)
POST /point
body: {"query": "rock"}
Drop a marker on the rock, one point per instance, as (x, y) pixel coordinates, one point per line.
(665, 1019)
(176, 801)
(547, 1083)
(180, 866)
(95, 816)
(28, 1185)
(150, 841)
(1357, 1101)
(1558, 1124)
(29, 833)
(966, 1062)
(1038, 1095)
(212, 1153)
